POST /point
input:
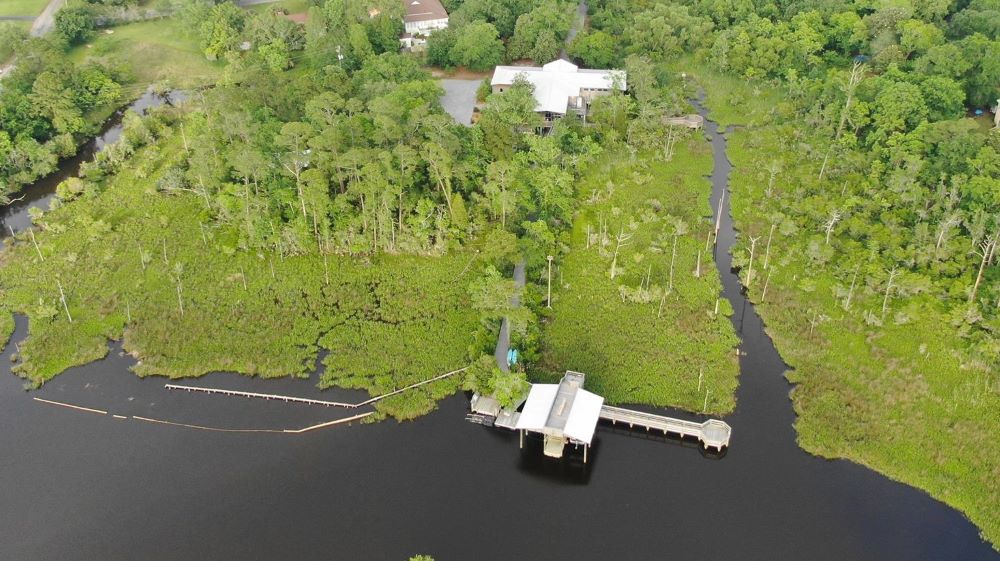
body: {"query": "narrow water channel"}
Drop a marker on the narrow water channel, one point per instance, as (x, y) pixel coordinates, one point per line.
(86, 486)
(15, 217)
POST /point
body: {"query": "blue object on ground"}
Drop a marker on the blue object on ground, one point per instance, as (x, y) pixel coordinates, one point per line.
(512, 357)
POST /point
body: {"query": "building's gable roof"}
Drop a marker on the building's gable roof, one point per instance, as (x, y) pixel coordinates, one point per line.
(557, 81)
(424, 10)
(562, 409)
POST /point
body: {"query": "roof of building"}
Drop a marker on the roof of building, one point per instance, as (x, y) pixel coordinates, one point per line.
(563, 409)
(557, 81)
(424, 10)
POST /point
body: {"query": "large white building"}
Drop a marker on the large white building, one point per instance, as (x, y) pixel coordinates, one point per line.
(560, 86)
(424, 16)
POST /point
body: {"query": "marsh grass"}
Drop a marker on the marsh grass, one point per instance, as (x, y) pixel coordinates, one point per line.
(904, 395)
(637, 351)
(127, 251)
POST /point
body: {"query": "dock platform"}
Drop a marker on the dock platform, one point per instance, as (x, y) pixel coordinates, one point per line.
(712, 433)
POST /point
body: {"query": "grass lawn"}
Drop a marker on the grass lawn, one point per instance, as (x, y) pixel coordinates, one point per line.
(292, 6)
(637, 339)
(155, 51)
(388, 321)
(905, 397)
(22, 7)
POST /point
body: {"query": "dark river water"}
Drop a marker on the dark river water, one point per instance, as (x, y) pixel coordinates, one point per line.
(85, 486)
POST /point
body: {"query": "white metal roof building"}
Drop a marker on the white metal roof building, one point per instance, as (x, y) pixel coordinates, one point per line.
(560, 84)
(562, 412)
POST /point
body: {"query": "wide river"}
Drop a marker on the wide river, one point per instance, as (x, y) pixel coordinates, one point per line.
(86, 486)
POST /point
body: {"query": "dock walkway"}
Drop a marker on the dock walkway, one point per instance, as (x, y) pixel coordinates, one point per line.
(712, 433)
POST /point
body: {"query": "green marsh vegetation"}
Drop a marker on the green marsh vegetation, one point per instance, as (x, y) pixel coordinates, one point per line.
(867, 204)
(153, 268)
(634, 303)
(314, 198)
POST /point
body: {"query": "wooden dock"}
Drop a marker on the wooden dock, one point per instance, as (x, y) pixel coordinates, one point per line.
(712, 433)
(255, 395)
(307, 401)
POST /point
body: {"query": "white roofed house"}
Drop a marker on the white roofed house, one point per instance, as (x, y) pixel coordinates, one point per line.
(561, 87)
(422, 18)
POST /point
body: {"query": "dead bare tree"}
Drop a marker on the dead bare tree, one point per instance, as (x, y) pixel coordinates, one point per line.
(753, 247)
(774, 169)
(718, 215)
(671, 140)
(985, 251)
(38, 250)
(831, 223)
(673, 257)
(850, 292)
(767, 251)
(767, 281)
(944, 227)
(857, 74)
(62, 297)
(178, 272)
(888, 286)
(621, 240)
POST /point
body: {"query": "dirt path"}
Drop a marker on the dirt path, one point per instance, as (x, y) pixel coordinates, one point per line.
(47, 19)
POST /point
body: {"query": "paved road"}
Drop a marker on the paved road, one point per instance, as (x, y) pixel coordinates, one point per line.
(47, 19)
(459, 98)
(578, 23)
(503, 341)
(245, 3)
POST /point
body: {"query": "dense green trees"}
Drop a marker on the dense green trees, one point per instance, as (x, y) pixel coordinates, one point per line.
(477, 46)
(43, 105)
(484, 33)
(74, 24)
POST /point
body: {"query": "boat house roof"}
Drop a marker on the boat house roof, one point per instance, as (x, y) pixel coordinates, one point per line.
(563, 409)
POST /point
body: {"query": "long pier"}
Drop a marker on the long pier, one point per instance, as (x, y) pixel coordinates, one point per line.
(255, 395)
(305, 400)
(712, 433)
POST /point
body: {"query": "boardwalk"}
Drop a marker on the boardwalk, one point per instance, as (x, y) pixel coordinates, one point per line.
(305, 400)
(503, 341)
(711, 433)
(255, 395)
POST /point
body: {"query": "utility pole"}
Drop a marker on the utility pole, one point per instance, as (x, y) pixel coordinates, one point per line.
(548, 300)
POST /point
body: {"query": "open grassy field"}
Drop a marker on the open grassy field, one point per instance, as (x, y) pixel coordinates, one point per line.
(154, 51)
(22, 7)
(134, 263)
(292, 6)
(640, 337)
(904, 396)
